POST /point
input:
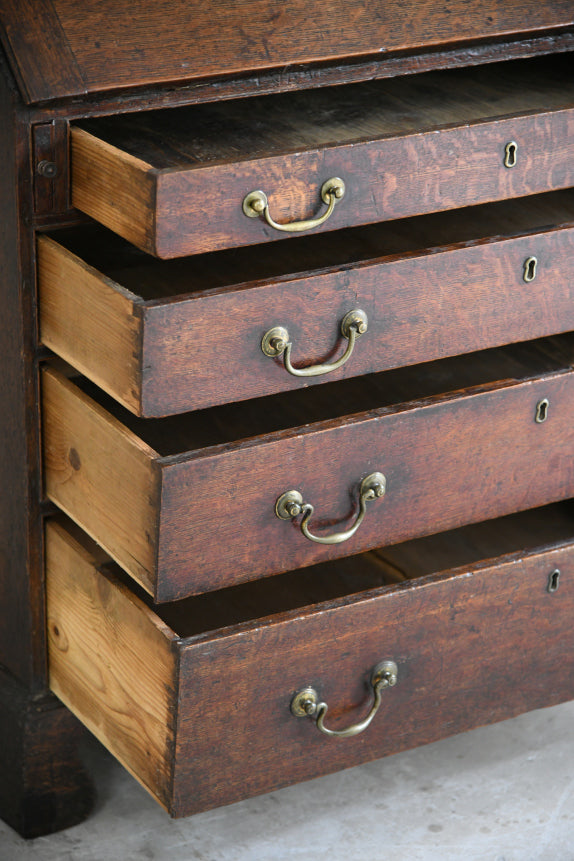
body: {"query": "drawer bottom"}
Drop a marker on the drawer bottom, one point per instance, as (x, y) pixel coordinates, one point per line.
(196, 698)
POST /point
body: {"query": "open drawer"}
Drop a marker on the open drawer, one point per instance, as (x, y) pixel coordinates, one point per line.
(209, 499)
(207, 177)
(165, 337)
(196, 698)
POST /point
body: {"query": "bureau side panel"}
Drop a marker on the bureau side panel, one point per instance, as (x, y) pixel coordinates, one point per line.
(477, 648)
(21, 600)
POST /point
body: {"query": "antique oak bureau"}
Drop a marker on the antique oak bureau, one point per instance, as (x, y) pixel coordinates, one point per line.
(287, 388)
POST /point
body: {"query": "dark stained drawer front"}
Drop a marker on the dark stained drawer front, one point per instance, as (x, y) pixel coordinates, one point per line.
(186, 695)
(188, 504)
(166, 337)
(177, 182)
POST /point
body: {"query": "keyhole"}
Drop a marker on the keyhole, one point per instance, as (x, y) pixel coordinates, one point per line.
(530, 265)
(542, 410)
(554, 580)
(510, 151)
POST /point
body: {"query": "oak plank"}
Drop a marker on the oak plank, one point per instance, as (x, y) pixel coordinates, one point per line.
(178, 40)
(102, 474)
(92, 323)
(111, 661)
(36, 42)
(113, 187)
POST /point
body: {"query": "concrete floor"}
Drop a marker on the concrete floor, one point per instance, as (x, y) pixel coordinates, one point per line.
(501, 793)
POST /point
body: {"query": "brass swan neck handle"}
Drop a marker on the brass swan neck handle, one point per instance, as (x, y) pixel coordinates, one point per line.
(276, 342)
(291, 505)
(306, 702)
(255, 205)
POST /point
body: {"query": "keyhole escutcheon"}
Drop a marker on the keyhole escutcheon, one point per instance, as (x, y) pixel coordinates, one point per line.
(554, 580)
(530, 265)
(510, 154)
(541, 411)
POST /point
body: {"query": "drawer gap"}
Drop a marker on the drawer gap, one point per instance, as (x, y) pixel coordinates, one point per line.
(312, 589)
(155, 281)
(207, 135)
(231, 423)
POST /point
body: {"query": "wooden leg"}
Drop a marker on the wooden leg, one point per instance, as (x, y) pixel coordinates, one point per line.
(43, 785)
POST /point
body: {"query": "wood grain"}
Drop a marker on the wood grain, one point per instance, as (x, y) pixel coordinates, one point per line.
(449, 459)
(37, 44)
(474, 647)
(474, 644)
(90, 322)
(379, 136)
(432, 286)
(307, 77)
(102, 473)
(459, 460)
(224, 132)
(43, 783)
(22, 650)
(111, 661)
(113, 187)
(108, 47)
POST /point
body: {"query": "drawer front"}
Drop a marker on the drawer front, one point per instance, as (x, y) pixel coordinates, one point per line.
(164, 357)
(209, 721)
(447, 461)
(178, 182)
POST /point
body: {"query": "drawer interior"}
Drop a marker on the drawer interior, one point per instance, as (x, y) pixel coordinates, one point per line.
(156, 280)
(236, 422)
(401, 565)
(207, 135)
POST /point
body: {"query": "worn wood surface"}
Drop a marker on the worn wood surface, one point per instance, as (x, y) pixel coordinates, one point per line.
(50, 144)
(114, 187)
(188, 334)
(229, 131)
(104, 474)
(43, 784)
(478, 647)
(111, 661)
(483, 642)
(474, 454)
(104, 45)
(466, 546)
(40, 53)
(380, 137)
(305, 77)
(90, 322)
(22, 650)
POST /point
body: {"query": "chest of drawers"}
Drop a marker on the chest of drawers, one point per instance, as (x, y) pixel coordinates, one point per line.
(287, 398)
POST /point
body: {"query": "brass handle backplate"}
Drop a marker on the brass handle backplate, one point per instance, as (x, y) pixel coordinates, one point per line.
(276, 342)
(291, 505)
(255, 204)
(306, 702)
